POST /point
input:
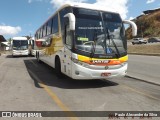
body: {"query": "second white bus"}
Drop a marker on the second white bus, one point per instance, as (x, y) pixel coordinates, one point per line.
(19, 46)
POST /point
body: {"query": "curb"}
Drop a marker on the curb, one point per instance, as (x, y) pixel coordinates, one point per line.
(153, 83)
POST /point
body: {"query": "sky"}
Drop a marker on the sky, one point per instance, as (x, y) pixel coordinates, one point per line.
(24, 17)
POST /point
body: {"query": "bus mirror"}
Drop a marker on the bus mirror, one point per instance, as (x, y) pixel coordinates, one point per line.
(134, 26)
(72, 20)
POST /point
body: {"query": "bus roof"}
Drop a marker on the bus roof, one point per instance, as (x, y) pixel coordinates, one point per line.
(79, 5)
(85, 5)
(19, 38)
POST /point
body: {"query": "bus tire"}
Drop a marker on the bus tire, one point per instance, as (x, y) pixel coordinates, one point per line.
(13, 56)
(38, 60)
(29, 54)
(58, 68)
(36, 54)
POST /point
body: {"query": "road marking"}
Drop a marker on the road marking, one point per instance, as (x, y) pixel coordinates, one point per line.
(55, 97)
(142, 93)
(59, 102)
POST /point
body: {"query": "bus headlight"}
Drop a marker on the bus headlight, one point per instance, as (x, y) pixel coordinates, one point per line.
(79, 62)
(74, 60)
(124, 63)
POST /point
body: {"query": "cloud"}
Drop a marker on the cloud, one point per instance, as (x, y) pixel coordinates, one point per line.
(131, 18)
(3, 24)
(118, 6)
(150, 1)
(9, 30)
(30, 1)
(58, 3)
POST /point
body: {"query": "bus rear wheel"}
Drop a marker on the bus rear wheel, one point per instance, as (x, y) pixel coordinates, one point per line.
(58, 68)
(37, 56)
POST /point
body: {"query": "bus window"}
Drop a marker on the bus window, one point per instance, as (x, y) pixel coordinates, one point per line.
(40, 33)
(44, 30)
(49, 26)
(55, 24)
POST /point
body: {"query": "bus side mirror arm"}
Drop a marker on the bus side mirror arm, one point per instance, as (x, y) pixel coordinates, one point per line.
(72, 20)
(134, 26)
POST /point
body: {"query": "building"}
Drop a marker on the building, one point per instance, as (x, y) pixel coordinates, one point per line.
(151, 11)
(2, 41)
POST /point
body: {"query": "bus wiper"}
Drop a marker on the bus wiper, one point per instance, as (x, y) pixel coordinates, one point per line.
(110, 38)
(93, 48)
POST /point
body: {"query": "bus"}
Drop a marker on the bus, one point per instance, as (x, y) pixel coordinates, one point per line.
(19, 46)
(84, 42)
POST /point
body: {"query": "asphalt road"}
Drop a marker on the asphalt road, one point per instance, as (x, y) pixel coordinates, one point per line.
(26, 85)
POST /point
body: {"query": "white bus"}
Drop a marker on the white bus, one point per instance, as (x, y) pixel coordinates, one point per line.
(19, 46)
(84, 42)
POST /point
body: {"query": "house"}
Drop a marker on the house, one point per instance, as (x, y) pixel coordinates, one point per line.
(2, 45)
(151, 11)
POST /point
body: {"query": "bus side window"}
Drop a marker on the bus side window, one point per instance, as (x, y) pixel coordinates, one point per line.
(48, 42)
(44, 30)
(49, 27)
(55, 24)
(40, 33)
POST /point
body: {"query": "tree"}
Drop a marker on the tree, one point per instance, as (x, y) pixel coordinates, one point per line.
(9, 40)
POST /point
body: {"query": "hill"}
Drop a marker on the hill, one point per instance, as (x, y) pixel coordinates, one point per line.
(148, 24)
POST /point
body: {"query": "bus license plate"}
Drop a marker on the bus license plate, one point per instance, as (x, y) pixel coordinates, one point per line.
(105, 74)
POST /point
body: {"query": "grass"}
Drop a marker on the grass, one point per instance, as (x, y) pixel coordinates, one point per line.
(145, 49)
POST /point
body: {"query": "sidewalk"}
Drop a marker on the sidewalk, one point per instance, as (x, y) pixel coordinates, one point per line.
(151, 80)
(4, 53)
(144, 68)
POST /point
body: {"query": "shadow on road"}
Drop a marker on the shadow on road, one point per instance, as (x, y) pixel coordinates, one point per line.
(10, 56)
(42, 73)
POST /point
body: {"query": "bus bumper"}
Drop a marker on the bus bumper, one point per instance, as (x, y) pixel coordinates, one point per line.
(20, 53)
(80, 72)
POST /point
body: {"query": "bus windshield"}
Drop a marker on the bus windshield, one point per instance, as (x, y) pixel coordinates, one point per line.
(99, 32)
(20, 44)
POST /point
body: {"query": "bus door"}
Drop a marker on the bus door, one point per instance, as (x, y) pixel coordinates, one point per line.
(67, 50)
